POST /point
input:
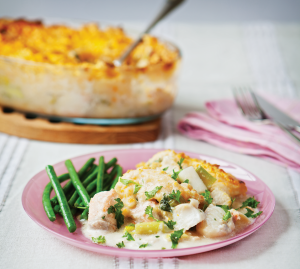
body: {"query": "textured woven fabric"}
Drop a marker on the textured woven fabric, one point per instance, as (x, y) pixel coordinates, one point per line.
(23, 244)
(223, 125)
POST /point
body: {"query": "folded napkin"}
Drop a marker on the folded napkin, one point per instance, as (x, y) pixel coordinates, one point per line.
(224, 125)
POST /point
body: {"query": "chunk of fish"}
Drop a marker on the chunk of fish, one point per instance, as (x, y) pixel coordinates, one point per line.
(138, 214)
(214, 225)
(220, 197)
(98, 216)
(240, 220)
(187, 215)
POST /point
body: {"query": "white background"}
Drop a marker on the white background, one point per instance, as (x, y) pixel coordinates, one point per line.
(143, 10)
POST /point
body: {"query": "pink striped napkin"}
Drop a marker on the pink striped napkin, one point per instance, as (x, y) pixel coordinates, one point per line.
(223, 125)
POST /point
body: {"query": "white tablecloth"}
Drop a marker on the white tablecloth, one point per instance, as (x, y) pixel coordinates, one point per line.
(216, 58)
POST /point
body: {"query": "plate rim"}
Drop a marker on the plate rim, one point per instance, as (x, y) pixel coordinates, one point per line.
(151, 253)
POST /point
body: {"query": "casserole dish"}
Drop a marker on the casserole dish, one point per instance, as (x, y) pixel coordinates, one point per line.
(62, 71)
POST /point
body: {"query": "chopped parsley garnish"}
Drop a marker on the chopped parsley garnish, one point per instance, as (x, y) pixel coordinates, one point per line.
(164, 204)
(170, 224)
(111, 209)
(128, 181)
(232, 201)
(227, 212)
(143, 245)
(175, 195)
(136, 188)
(150, 194)
(157, 236)
(186, 181)
(251, 202)
(166, 168)
(99, 240)
(158, 160)
(227, 216)
(208, 199)
(121, 245)
(250, 214)
(103, 217)
(148, 212)
(224, 207)
(117, 209)
(175, 238)
(129, 236)
(180, 162)
(175, 174)
(163, 248)
(131, 224)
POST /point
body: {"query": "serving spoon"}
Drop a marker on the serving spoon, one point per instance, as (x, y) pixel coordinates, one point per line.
(169, 6)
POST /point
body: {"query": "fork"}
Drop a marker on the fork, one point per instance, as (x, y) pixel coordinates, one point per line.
(247, 102)
(169, 6)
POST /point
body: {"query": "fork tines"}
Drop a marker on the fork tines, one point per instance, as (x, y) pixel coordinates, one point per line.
(247, 103)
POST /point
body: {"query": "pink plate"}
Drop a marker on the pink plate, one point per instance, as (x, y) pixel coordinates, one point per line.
(32, 203)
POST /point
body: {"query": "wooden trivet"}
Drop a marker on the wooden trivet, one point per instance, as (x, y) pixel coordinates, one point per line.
(15, 123)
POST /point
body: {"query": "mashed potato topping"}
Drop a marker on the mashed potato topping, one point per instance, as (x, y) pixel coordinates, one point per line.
(86, 46)
(153, 207)
(63, 71)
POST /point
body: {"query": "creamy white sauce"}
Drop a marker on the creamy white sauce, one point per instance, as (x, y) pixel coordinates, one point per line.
(154, 242)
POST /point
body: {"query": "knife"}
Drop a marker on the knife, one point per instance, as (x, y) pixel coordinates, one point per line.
(277, 115)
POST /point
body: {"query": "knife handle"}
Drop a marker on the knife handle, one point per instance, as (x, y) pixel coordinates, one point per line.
(287, 131)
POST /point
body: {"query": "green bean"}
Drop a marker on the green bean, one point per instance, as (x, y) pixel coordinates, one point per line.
(66, 212)
(73, 211)
(91, 186)
(85, 183)
(84, 214)
(90, 189)
(77, 183)
(88, 172)
(91, 177)
(86, 166)
(100, 175)
(111, 163)
(46, 197)
(107, 178)
(75, 194)
(77, 202)
(107, 186)
(69, 186)
(56, 208)
(119, 174)
(93, 194)
(107, 181)
(113, 173)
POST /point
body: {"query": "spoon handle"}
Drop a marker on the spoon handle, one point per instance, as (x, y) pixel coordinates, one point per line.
(167, 8)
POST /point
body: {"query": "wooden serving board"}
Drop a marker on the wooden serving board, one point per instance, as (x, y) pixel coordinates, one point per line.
(15, 123)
